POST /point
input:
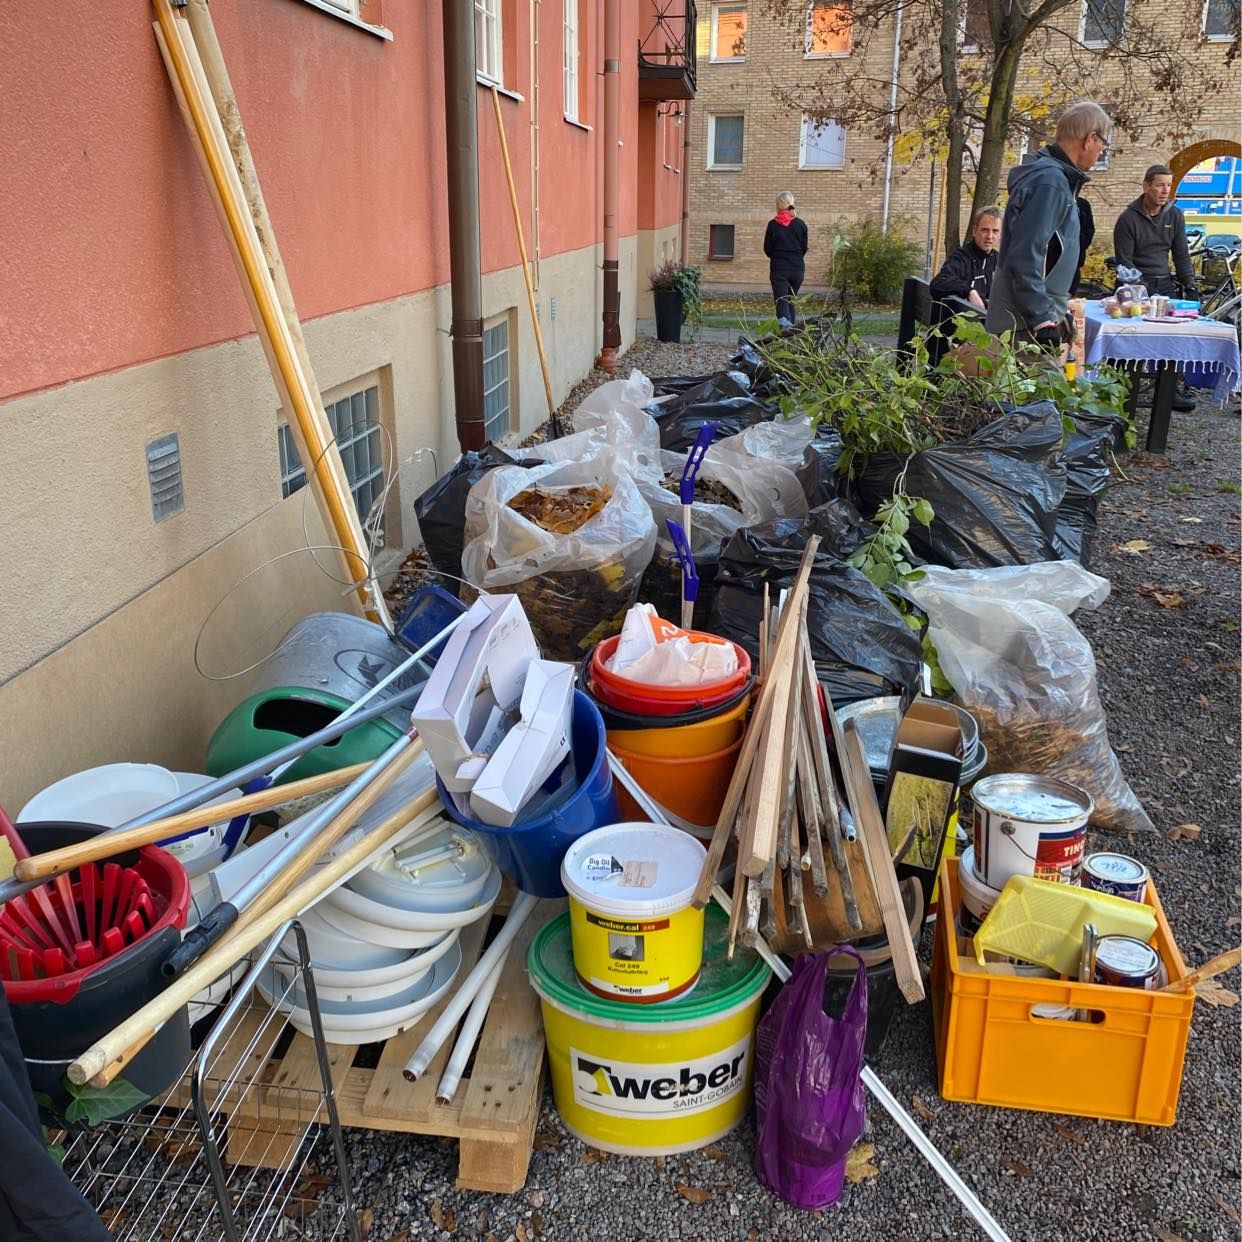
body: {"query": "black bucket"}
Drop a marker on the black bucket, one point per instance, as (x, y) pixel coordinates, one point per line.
(53, 1035)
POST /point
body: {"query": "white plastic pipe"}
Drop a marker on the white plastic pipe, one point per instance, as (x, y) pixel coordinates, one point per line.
(927, 1149)
(469, 1034)
(470, 987)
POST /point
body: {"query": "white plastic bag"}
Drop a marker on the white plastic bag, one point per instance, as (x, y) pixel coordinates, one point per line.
(575, 587)
(614, 422)
(1020, 666)
(781, 440)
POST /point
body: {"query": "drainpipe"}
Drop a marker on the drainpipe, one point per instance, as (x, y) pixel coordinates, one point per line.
(892, 115)
(685, 182)
(465, 264)
(612, 168)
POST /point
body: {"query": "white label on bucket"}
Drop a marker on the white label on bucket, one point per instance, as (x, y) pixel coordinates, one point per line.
(599, 866)
(636, 874)
(658, 1091)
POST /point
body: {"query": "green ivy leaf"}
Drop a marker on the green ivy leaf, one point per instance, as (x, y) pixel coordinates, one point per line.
(94, 1105)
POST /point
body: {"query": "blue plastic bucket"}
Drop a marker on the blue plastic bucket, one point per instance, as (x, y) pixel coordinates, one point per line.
(530, 854)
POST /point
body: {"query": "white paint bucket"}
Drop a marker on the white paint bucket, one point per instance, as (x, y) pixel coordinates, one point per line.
(977, 898)
(1029, 825)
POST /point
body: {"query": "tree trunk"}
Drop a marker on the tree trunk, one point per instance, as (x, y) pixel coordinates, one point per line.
(996, 122)
(950, 26)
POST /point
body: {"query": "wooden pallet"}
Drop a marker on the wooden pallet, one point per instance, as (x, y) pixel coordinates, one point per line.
(493, 1114)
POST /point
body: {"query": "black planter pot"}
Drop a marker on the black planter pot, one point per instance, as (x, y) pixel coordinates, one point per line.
(668, 314)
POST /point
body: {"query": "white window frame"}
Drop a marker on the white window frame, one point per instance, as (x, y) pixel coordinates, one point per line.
(808, 121)
(807, 54)
(715, 17)
(964, 45)
(1082, 26)
(569, 59)
(721, 258)
(1227, 37)
(711, 141)
(489, 63)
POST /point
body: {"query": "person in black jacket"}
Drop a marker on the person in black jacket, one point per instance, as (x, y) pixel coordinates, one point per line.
(1149, 230)
(785, 245)
(967, 273)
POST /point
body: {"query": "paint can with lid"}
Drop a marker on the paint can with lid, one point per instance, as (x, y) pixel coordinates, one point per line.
(1118, 874)
(1025, 824)
(1126, 962)
(977, 897)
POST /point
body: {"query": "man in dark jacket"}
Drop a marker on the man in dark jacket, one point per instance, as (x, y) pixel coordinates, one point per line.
(1151, 228)
(967, 273)
(785, 244)
(1039, 246)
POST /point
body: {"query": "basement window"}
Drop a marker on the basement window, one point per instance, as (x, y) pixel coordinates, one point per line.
(355, 423)
(720, 241)
(497, 378)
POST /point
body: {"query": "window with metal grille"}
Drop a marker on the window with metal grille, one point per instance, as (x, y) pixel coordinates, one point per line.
(496, 374)
(355, 424)
(720, 241)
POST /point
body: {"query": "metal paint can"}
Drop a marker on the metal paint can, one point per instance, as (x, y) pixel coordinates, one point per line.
(1117, 874)
(1126, 962)
(1029, 825)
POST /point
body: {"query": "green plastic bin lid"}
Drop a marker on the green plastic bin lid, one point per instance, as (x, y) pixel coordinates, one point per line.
(722, 984)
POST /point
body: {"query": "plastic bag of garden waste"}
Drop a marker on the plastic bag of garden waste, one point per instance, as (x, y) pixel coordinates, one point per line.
(720, 399)
(1021, 667)
(570, 539)
(735, 491)
(628, 433)
(615, 396)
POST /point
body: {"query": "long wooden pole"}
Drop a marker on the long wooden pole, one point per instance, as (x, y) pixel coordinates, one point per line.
(314, 444)
(521, 240)
(117, 1048)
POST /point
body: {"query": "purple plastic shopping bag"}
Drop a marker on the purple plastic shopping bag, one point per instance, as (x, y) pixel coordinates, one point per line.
(809, 1107)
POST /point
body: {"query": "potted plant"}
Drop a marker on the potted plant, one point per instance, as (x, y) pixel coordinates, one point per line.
(675, 289)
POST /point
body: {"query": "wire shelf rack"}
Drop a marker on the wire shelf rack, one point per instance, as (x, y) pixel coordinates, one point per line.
(228, 1153)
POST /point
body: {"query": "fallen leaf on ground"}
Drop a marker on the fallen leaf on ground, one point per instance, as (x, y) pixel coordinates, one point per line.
(401, 1236)
(1212, 992)
(366, 1218)
(536, 1223)
(1184, 832)
(1167, 867)
(1227, 1207)
(659, 1164)
(1170, 600)
(593, 1155)
(695, 1194)
(858, 1166)
(442, 1217)
(1016, 1168)
(1165, 1236)
(1205, 702)
(545, 1141)
(1195, 520)
(519, 1232)
(922, 1109)
(1134, 547)
(1066, 1133)
(716, 1153)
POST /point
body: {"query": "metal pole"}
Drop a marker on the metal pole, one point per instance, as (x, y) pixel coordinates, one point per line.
(892, 121)
(931, 221)
(612, 185)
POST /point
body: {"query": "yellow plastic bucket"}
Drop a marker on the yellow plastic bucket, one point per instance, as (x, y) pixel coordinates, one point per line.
(636, 937)
(685, 741)
(650, 1080)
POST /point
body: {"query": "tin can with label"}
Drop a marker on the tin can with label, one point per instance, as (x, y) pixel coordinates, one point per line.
(1025, 824)
(1125, 962)
(1116, 874)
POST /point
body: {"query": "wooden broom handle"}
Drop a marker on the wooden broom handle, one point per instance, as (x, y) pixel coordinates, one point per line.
(56, 862)
(119, 1044)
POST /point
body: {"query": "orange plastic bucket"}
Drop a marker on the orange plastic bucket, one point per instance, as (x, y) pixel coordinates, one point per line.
(692, 787)
(647, 700)
(687, 741)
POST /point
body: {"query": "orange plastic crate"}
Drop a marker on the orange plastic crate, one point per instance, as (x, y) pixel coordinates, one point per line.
(991, 1049)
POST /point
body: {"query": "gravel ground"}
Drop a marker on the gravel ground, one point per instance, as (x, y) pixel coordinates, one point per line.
(1170, 682)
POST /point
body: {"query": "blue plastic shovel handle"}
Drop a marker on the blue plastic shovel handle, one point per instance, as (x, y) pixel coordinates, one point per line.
(689, 575)
(694, 459)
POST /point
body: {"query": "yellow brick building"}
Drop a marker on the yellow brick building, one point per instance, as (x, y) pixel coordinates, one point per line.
(748, 143)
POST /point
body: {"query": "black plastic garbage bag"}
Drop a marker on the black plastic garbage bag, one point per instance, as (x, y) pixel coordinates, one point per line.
(441, 509)
(818, 473)
(1087, 472)
(673, 385)
(995, 494)
(720, 399)
(861, 645)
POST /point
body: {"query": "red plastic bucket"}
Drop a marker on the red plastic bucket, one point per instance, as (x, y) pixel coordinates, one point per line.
(644, 700)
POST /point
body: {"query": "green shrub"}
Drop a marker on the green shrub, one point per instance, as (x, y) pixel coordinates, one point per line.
(870, 264)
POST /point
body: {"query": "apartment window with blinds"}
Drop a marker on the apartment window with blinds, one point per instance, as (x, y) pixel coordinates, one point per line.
(488, 62)
(822, 144)
(724, 141)
(728, 33)
(571, 59)
(355, 423)
(497, 376)
(1103, 22)
(829, 29)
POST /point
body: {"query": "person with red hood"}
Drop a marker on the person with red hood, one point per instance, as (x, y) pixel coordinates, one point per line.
(785, 245)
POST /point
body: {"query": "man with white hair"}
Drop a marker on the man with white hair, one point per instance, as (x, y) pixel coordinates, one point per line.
(1040, 240)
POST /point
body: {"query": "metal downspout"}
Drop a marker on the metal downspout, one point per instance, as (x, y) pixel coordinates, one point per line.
(685, 182)
(612, 166)
(892, 120)
(465, 263)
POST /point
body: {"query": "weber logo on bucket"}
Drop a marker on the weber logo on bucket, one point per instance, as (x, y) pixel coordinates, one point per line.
(656, 1091)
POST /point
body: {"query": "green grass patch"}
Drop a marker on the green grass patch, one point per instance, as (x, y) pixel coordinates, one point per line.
(1234, 489)
(1180, 489)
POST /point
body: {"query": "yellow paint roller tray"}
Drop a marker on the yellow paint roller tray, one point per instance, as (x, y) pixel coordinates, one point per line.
(1041, 921)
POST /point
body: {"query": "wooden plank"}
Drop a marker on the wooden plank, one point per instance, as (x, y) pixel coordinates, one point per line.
(297, 1085)
(883, 875)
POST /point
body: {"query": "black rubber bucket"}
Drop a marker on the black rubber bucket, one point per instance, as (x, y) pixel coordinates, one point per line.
(52, 1035)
